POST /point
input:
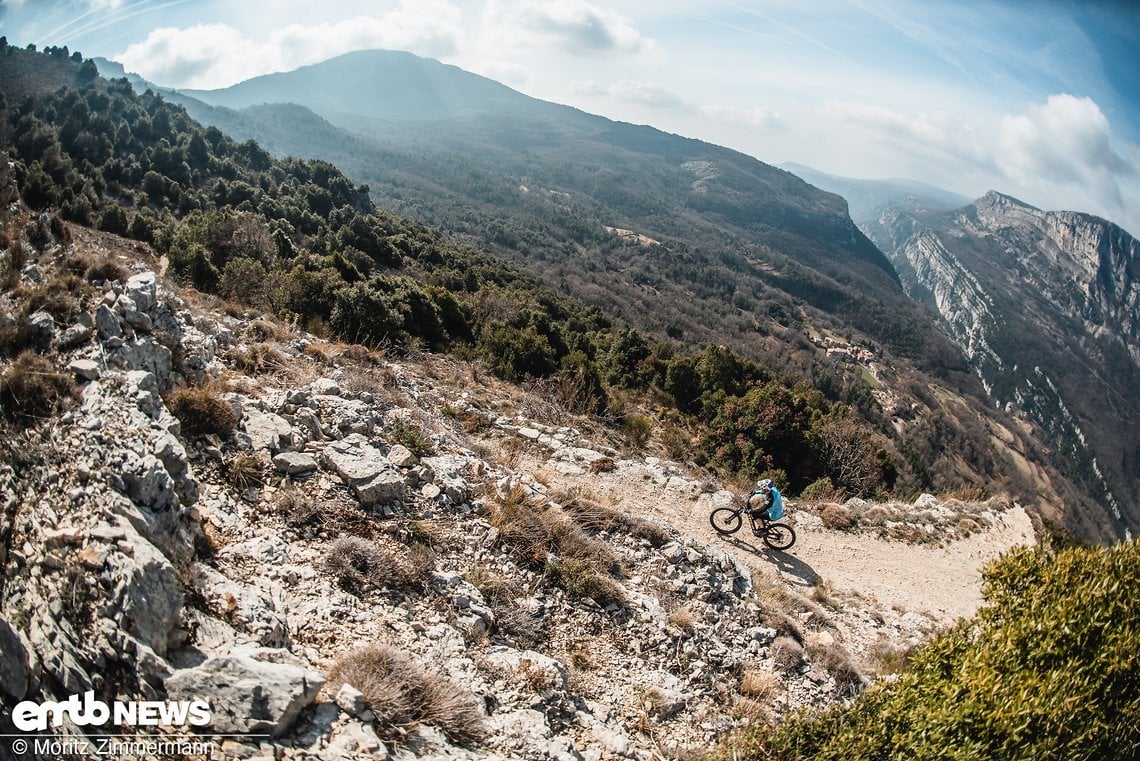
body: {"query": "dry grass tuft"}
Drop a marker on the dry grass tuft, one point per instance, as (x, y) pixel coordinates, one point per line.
(682, 618)
(593, 516)
(360, 565)
(887, 657)
(787, 654)
(32, 390)
(603, 465)
(542, 538)
(201, 410)
(525, 628)
(402, 695)
(104, 270)
(246, 470)
(834, 658)
(836, 517)
(357, 564)
(536, 677)
(299, 509)
(752, 710)
(759, 685)
(261, 359)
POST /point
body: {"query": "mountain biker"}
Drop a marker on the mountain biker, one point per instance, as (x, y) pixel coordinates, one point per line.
(766, 499)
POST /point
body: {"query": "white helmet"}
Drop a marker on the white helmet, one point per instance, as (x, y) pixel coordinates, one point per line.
(765, 484)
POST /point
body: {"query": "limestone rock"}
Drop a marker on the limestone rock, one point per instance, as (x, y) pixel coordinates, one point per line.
(247, 693)
(294, 463)
(141, 289)
(450, 475)
(76, 335)
(146, 596)
(268, 431)
(365, 470)
(41, 330)
(325, 387)
(84, 368)
(148, 483)
(144, 353)
(401, 457)
(245, 608)
(351, 700)
(525, 662)
(107, 323)
(14, 670)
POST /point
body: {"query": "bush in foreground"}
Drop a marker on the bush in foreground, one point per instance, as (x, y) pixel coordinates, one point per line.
(402, 695)
(1047, 670)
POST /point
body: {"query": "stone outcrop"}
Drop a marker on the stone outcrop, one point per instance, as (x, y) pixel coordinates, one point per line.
(365, 470)
(249, 692)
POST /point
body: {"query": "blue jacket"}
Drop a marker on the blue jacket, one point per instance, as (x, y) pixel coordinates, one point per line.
(776, 509)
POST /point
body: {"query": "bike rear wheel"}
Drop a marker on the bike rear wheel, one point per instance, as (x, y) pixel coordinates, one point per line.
(779, 536)
(725, 520)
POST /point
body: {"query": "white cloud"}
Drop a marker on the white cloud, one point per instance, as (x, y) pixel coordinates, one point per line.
(104, 5)
(204, 55)
(1064, 142)
(574, 26)
(940, 135)
(755, 117)
(1057, 155)
(653, 94)
(216, 55)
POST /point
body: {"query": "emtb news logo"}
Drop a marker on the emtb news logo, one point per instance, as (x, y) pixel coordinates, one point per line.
(29, 716)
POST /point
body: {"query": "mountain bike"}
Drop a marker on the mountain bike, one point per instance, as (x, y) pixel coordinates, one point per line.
(728, 520)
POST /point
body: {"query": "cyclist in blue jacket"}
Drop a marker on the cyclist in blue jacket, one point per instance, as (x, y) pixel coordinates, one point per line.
(767, 497)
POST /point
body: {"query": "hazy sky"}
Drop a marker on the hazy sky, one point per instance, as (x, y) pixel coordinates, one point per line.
(1040, 100)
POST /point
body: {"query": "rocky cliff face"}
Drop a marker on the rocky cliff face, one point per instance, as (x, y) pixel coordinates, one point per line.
(1046, 306)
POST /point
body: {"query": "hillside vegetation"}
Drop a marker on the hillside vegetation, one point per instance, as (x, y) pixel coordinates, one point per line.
(298, 239)
(1045, 671)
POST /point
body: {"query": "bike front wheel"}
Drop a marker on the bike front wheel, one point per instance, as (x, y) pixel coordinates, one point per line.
(779, 536)
(725, 520)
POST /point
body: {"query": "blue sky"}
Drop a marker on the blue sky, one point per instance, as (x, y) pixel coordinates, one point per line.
(1035, 99)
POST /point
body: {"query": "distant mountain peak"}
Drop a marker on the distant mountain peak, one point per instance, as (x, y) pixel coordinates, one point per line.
(994, 199)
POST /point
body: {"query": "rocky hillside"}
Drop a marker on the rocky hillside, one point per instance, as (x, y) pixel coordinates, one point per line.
(356, 556)
(1046, 307)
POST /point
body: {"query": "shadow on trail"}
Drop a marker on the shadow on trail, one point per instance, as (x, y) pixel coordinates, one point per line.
(787, 565)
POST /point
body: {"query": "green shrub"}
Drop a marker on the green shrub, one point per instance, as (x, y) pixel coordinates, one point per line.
(821, 490)
(638, 428)
(409, 434)
(1046, 670)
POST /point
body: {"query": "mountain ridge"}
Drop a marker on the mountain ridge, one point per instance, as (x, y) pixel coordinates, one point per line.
(717, 182)
(1046, 306)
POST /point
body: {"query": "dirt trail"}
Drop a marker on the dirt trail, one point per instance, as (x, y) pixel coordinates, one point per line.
(942, 583)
